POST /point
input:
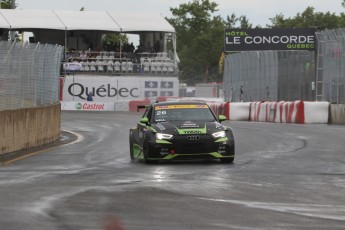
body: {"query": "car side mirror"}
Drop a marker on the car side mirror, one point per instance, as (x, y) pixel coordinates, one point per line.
(144, 120)
(221, 118)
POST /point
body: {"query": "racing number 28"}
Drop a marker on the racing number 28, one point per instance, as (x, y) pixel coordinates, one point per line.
(158, 113)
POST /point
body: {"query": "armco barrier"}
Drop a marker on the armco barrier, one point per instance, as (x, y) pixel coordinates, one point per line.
(30, 127)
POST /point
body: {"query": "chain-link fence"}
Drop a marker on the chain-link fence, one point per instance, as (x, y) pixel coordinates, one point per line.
(29, 74)
(330, 73)
(269, 75)
(289, 75)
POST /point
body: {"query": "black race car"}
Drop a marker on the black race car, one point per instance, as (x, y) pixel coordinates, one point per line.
(181, 130)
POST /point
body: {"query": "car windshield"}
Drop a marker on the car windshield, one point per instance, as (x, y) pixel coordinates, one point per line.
(182, 112)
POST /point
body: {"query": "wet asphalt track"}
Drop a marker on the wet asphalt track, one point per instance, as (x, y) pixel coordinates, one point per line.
(284, 177)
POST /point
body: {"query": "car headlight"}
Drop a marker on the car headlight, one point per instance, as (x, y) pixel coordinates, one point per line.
(163, 136)
(219, 134)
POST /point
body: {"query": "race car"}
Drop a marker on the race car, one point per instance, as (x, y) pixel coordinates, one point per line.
(181, 131)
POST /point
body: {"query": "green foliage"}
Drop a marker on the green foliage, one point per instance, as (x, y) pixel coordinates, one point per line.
(308, 18)
(6, 4)
(200, 36)
(112, 40)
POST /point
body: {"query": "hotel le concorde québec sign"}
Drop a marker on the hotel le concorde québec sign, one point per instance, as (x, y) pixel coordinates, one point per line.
(269, 39)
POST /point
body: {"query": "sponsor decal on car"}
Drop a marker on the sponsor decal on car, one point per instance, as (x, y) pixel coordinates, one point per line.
(181, 107)
(189, 124)
(191, 131)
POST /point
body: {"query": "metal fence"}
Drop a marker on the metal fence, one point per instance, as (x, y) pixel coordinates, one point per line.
(269, 75)
(331, 66)
(289, 75)
(29, 74)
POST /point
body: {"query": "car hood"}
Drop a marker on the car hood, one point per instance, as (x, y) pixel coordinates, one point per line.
(188, 127)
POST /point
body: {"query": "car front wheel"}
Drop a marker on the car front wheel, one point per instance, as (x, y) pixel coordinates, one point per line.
(146, 152)
(227, 160)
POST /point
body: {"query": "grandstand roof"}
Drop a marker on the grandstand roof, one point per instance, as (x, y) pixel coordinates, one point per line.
(83, 20)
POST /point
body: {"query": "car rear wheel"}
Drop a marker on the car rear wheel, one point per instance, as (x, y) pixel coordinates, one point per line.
(131, 151)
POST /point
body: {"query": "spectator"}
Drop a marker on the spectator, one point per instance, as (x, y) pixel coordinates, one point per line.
(89, 97)
(157, 46)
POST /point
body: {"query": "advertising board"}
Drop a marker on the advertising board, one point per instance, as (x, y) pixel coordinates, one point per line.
(269, 39)
(87, 106)
(111, 89)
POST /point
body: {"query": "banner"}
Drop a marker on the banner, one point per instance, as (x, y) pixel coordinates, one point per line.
(111, 89)
(269, 39)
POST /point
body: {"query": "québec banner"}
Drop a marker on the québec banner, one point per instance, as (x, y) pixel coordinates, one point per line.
(269, 39)
(111, 89)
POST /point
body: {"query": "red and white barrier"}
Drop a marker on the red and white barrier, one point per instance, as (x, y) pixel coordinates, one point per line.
(290, 112)
(299, 112)
(316, 112)
(220, 108)
(239, 111)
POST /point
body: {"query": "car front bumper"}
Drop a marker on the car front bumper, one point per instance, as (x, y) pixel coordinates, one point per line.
(180, 147)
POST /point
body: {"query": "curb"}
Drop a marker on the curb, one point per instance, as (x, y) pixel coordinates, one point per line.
(66, 138)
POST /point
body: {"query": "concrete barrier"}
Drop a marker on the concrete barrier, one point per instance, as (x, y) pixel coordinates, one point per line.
(299, 112)
(316, 112)
(239, 111)
(29, 127)
(337, 114)
(132, 105)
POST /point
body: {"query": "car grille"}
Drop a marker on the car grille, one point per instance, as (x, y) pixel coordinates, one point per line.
(189, 144)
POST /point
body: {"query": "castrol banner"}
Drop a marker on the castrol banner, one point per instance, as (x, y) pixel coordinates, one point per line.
(87, 106)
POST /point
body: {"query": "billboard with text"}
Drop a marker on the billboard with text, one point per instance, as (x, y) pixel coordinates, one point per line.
(269, 39)
(111, 89)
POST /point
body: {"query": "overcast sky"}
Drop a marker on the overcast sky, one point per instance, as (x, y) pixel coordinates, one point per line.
(257, 11)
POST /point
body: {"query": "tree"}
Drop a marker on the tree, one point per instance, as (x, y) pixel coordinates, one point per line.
(6, 4)
(238, 22)
(308, 18)
(112, 40)
(200, 38)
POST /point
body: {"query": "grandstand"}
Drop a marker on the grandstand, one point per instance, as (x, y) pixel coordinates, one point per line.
(81, 33)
